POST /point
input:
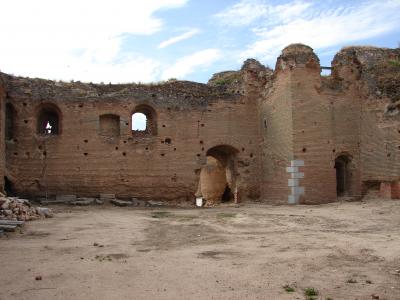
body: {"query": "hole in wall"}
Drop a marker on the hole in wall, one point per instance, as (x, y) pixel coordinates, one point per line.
(27, 154)
(48, 121)
(16, 153)
(162, 154)
(24, 104)
(389, 154)
(40, 147)
(86, 141)
(201, 142)
(168, 141)
(163, 125)
(147, 148)
(80, 105)
(124, 153)
(251, 155)
(333, 150)
(44, 153)
(202, 148)
(202, 125)
(198, 154)
(85, 153)
(116, 148)
(243, 149)
(174, 149)
(304, 150)
(26, 121)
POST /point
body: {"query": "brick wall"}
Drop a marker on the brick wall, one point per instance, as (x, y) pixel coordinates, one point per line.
(83, 161)
(2, 137)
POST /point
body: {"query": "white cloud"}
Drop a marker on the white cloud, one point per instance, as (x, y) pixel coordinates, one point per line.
(322, 29)
(176, 39)
(245, 12)
(188, 64)
(242, 13)
(82, 40)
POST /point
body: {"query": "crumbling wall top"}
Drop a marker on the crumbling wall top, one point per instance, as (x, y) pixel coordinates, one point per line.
(297, 55)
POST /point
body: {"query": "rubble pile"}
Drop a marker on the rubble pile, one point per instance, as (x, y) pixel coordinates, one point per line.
(13, 208)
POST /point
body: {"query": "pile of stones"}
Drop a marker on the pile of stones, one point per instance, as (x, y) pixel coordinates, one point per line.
(16, 209)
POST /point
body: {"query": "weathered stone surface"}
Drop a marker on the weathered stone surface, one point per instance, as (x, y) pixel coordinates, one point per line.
(254, 121)
(121, 202)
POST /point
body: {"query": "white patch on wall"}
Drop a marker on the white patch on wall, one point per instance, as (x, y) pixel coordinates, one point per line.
(294, 181)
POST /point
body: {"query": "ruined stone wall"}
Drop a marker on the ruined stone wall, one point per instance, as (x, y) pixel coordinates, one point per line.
(370, 77)
(277, 138)
(272, 123)
(2, 137)
(82, 159)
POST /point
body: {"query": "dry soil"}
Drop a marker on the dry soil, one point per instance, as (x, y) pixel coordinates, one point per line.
(342, 250)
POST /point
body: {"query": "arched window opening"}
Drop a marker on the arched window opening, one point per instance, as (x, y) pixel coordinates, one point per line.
(48, 121)
(110, 125)
(139, 122)
(343, 175)
(10, 121)
(144, 121)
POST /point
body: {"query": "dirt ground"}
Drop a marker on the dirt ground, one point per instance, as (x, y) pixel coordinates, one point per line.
(342, 250)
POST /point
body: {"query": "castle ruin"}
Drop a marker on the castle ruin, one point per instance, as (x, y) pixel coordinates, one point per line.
(288, 135)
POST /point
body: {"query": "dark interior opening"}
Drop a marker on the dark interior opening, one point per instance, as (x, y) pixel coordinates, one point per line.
(227, 195)
(342, 176)
(8, 187)
(48, 122)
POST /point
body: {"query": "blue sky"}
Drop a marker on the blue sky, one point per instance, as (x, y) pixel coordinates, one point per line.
(131, 41)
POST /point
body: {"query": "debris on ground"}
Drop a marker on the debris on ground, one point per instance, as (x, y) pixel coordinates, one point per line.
(15, 211)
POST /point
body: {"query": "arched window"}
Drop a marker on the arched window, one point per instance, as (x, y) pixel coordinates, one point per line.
(48, 120)
(10, 121)
(144, 121)
(110, 125)
(139, 122)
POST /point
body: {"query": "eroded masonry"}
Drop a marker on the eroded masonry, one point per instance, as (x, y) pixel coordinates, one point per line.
(283, 136)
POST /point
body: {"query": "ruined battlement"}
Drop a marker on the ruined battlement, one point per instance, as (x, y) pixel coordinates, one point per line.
(277, 136)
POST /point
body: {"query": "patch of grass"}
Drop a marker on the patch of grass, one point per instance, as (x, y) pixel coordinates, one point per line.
(226, 215)
(288, 288)
(160, 214)
(310, 293)
(185, 217)
(394, 63)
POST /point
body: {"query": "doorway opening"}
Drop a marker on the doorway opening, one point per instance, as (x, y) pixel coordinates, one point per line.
(218, 177)
(343, 175)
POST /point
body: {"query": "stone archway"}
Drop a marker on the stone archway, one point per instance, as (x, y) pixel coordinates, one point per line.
(218, 182)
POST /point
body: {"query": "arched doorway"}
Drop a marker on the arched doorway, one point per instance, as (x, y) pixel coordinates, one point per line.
(343, 175)
(218, 182)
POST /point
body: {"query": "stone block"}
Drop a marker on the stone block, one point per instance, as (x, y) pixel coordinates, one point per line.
(65, 198)
(395, 186)
(292, 169)
(385, 190)
(297, 190)
(297, 163)
(297, 175)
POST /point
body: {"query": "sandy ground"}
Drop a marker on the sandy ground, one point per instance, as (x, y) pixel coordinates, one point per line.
(343, 250)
